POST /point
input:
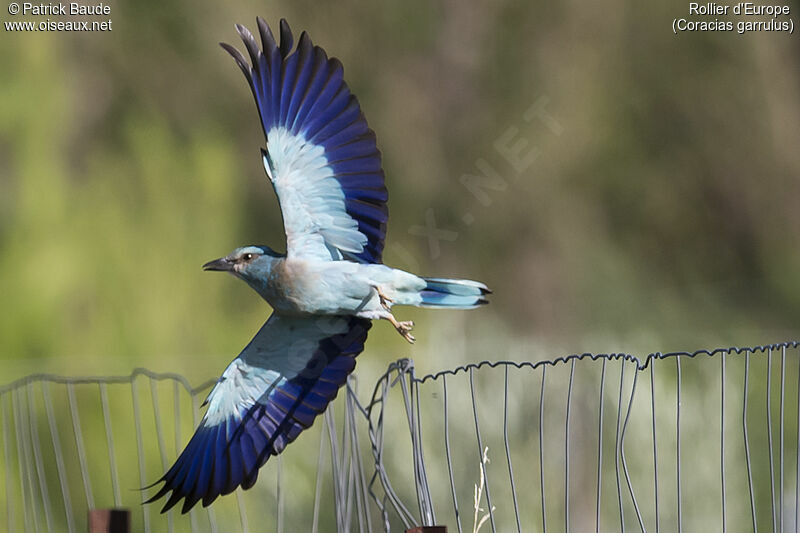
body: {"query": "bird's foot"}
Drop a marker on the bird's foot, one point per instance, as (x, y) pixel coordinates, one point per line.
(403, 328)
(385, 300)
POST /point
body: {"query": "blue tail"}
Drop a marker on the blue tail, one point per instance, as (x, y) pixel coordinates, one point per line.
(453, 293)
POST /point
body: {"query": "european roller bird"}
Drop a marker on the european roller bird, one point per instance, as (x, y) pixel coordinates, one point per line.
(325, 167)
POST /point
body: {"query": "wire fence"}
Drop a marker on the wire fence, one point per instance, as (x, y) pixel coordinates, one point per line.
(71, 444)
(687, 441)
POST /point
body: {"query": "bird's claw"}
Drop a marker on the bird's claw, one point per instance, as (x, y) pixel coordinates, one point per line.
(404, 329)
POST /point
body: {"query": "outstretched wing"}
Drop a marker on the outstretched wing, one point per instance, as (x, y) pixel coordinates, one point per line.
(321, 156)
(281, 381)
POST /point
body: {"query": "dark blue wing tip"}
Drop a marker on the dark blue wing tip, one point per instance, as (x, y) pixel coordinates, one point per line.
(215, 462)
(302, 89)
(190, 478)
(268, 45)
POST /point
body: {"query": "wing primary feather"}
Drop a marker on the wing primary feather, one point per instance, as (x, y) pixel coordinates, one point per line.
(356, 130)
(344, 110)
(329, 91)
(267, 39)
(289, 75)
(249, 43)
(240, 60)
(249, 454)
(326, 117)
(305, 67)
(274, 103)
(234, 472)
(353, 148)
(204, 476)
(287, 40)
(318, 80)
(174, 498)
(220, 470)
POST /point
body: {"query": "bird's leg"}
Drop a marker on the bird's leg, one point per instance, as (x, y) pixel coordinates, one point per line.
(403, 328)
(385, 300)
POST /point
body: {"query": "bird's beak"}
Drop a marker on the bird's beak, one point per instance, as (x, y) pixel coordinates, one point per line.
(221, 264)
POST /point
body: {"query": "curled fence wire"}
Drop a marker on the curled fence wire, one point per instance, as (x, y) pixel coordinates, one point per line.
(694, 441)
(687, 441)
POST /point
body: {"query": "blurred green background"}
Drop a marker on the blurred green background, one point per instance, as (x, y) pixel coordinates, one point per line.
(654, 207)
(662, 216)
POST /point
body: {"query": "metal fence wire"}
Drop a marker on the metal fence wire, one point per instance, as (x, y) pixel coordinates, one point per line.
(685, 441)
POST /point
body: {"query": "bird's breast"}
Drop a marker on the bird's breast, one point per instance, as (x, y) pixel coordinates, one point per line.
(292, 287)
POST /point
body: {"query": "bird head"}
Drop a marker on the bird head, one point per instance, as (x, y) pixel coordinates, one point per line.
(249, 263)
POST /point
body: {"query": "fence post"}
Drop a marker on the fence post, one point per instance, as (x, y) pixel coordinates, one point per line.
(109, 520)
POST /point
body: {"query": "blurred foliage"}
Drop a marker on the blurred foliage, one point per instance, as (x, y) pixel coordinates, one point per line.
(663, 216)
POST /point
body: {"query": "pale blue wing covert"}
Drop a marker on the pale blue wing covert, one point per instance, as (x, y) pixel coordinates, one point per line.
(321, 156)
(286, 376)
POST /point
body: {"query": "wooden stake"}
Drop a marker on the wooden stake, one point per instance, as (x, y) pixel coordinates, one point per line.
(109, 521)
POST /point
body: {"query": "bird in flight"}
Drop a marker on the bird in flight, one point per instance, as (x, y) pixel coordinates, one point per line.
(325, 167)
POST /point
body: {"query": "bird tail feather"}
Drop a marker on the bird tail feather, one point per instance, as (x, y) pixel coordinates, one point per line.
(453, 293)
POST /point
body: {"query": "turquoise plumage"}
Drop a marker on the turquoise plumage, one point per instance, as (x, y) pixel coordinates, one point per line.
(325, 167)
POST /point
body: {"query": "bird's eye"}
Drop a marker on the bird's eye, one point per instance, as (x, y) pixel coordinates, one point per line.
(247, 257)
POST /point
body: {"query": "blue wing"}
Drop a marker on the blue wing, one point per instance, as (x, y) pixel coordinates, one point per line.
(321, 156)
(271, 392)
